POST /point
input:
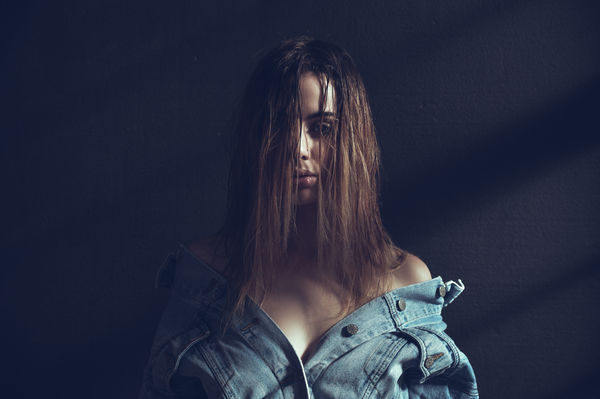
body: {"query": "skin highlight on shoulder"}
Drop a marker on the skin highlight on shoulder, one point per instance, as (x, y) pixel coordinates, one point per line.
(412, 271)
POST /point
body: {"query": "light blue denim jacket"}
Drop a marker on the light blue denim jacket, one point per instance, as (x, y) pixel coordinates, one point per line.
(391, 347)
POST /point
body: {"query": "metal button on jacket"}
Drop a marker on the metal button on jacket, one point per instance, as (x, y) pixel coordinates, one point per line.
(400, 304)
(351, 329)
(429, 362)
(442, 291)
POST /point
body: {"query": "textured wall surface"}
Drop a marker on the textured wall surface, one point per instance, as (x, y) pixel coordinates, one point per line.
(116, 123)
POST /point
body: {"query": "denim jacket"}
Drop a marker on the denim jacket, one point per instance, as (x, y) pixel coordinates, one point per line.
(391, 347)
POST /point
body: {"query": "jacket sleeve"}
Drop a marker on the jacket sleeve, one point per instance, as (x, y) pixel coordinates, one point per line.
(457, 381)
(178, 330)
(441, 369)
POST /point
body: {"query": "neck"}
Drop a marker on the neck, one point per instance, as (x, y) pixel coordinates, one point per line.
(303, 243)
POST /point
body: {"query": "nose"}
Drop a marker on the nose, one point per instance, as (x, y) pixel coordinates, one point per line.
(306, 143)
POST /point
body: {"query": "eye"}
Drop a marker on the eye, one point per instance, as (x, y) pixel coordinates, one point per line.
(325, 129)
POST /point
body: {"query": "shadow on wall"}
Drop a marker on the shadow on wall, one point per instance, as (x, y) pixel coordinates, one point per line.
(531, 295)
(510, 157)
(584, 387)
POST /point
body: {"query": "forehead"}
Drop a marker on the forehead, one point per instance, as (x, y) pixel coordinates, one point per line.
(310, 93)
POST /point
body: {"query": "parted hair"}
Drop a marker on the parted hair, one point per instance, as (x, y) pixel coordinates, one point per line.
(260, 214)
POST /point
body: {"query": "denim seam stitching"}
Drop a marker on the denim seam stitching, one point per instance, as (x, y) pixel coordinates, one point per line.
(221, 376)
(383, 364)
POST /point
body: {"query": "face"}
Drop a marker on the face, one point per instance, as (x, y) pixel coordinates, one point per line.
(313, 145)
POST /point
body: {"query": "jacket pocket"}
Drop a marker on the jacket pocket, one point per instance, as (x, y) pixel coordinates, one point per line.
(186, 355)
(165, 362)
(181, 328)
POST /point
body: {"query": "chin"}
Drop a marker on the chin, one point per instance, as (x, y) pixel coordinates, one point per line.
(305, 201)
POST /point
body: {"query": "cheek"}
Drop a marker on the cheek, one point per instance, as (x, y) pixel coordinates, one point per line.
(325, 156)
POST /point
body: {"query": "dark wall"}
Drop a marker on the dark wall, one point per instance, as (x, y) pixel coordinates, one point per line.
(116, 119)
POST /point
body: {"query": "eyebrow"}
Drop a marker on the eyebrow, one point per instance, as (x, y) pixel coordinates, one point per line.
(318, 115)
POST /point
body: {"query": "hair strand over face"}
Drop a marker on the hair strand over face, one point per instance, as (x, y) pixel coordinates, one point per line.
(260, 219)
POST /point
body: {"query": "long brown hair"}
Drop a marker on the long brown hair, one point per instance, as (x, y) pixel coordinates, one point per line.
(260, 214)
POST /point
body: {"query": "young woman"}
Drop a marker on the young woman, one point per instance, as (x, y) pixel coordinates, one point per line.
(302, 293)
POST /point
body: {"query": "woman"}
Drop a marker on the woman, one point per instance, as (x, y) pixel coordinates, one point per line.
(302, 293)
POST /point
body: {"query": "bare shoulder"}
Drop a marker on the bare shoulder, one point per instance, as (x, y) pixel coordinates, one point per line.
(412, 271)
(204, 249)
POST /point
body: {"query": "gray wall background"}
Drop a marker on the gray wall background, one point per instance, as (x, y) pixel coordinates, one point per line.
(116, 118)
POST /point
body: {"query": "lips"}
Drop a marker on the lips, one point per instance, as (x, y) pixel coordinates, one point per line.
(306, 181)
(304, 173)
(305, 178)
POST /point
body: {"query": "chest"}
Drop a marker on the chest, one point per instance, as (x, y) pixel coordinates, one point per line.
(304, 315)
